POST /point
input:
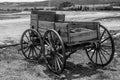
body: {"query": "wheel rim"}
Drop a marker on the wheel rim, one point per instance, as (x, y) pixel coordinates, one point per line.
(55, 52)
(102, 52)
(31, 44)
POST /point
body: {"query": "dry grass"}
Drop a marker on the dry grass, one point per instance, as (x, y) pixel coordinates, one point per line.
(13, 66)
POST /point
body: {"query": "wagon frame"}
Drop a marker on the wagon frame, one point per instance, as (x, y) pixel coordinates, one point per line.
(55, 44)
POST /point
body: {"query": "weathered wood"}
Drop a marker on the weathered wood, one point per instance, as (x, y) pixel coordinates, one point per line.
(88, 25)
(70, 32)
(60, 18)
(34, 23)
(61, 26)
(34, 16)
(47, 16)
(43, 26)
(83, 35)
(77, 31)
(44, 15)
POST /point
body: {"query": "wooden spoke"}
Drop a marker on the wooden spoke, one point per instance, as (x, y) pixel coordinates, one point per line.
(24, 41)
(33, 55)
(93, 54)
(100, 58)
(61, 62)
(29, 53)
(105, 51)
(37, 48)
(104, 40)
(102, 34)
(25, 46)
(96, 57)
(60, 55)
(58, 63)
(27, 49)
(90, 50)
(35, 51)
(49, 41)
(56, 66)
(106, 46)
(29, 34)
(103, 55)
(27, 37)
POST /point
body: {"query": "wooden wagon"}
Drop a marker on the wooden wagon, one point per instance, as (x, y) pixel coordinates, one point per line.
(56, 39)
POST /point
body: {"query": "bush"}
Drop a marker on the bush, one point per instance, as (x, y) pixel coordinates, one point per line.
(65, 4)
(26, 9)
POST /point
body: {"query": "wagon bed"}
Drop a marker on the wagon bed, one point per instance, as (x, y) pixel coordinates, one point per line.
(70, 32)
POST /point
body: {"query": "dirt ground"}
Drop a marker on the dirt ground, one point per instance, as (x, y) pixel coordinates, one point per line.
(13, 65)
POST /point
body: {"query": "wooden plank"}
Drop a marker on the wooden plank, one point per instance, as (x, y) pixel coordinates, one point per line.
(34, 24)
(42, 12)
(77, 25)
(41, 31)
(60, 17)
(77, 31)
(46, 25)
(45, 15)
(83, 35)
(88, 25)
(61, 26)
(82, 31)
(34, 16)
(43, 26)
(65, 39)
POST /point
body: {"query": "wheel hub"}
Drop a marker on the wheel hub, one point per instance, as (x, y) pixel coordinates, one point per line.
(50, 50)
(30, 43)
(97, 46)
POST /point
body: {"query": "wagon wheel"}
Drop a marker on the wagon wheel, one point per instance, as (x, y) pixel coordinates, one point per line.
(101, 53)
(55, 51)
(31, 44)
